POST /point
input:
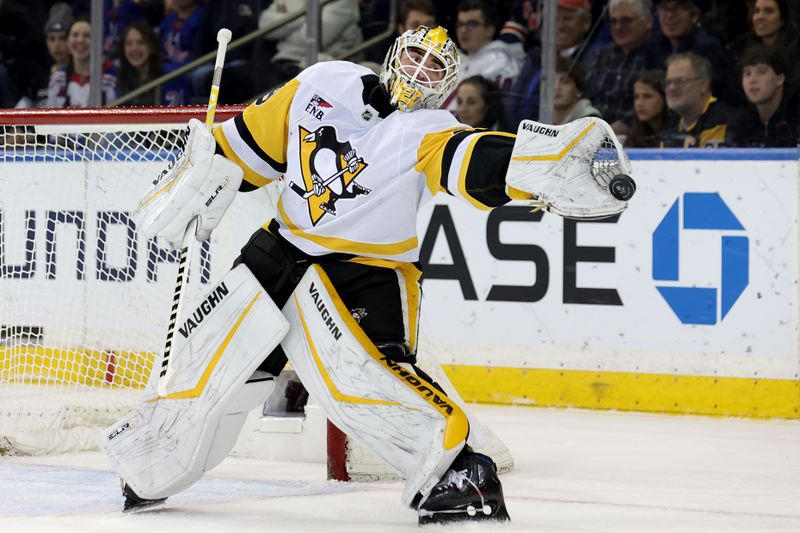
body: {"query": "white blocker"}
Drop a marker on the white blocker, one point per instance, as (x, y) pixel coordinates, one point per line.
(399, 416)
(196, 402)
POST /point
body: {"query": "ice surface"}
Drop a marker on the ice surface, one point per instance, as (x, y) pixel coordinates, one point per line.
(575, 471)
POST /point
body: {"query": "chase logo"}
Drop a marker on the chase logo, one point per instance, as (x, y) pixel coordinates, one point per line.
(701, 212)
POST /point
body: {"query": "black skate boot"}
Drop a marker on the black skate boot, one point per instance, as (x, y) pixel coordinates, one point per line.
(469, 490)
(134, 503)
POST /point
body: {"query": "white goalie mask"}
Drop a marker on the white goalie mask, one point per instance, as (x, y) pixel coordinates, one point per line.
(420, 69)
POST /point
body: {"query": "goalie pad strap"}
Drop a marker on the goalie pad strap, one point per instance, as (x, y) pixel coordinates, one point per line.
(398, 415)
(182, 427)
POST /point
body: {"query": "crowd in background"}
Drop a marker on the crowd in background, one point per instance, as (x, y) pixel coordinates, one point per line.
(663, 73)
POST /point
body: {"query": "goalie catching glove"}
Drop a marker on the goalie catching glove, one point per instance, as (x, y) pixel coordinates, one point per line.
(199, 184)
(576, 170)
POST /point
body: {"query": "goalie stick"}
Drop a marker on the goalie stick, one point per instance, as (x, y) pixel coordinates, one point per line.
(187, 245)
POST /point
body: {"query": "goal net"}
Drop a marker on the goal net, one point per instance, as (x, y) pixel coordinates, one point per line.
(85, 299)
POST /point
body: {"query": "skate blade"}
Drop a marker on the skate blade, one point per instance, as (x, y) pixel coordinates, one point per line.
(461, 515)
(142, 506)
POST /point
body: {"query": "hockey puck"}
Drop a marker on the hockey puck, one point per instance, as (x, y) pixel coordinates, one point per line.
(622, 187)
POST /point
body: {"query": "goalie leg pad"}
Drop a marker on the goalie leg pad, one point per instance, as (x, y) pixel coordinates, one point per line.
(194, 403)
(398, 415)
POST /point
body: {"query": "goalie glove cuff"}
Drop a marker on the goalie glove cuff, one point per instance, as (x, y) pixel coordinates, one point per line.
(199, 183)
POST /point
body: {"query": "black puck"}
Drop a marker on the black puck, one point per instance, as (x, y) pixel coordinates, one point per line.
(622, 187)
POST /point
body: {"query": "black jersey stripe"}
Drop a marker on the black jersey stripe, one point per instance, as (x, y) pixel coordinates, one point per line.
(448, 154)
(247, 137)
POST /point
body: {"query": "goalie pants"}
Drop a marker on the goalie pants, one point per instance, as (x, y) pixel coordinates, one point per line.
(373, 294)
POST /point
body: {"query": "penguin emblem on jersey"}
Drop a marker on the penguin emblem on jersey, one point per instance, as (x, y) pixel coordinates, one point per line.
(329, 169)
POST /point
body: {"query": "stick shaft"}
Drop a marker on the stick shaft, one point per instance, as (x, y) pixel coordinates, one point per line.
(188, 243)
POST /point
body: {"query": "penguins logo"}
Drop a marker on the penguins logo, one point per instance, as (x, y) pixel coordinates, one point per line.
(329, 169)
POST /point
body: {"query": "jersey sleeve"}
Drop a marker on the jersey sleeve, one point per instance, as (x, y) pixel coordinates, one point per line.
(257, 138)
(467, 163)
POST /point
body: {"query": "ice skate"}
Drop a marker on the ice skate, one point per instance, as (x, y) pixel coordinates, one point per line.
(470, 490)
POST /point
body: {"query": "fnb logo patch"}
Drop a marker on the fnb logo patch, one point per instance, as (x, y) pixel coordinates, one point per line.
(318, 106)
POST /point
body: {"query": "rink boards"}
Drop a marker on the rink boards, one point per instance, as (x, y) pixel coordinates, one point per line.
(685, 303)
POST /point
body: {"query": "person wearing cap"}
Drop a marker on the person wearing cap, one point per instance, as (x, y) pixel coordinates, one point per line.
(55, 37)
(703, 119)
(680, 33)
(615, 66)
(573, 22)
(55, 34)
(70, 85)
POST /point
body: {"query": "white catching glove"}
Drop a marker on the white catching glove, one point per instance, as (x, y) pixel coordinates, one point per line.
(576, 170)
(199, 184)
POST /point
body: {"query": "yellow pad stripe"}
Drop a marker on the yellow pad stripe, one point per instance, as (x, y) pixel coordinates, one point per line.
(337, 395)
(457, 425)
(559, 155)
(197, 390)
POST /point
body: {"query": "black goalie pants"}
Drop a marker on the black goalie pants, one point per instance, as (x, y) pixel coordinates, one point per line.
(383, 300)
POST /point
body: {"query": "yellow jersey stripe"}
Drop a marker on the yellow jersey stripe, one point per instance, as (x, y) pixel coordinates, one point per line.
(197, 390)
(337, 244)
(250, 175)
(335, 393)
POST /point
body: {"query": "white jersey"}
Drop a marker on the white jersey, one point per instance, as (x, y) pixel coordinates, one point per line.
(355, 175)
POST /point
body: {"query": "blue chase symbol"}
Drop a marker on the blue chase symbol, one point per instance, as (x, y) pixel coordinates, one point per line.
(698, 305)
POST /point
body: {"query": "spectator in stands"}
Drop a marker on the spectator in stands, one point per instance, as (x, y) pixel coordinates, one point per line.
(771, 115)
(703, 120)
(339, 21)
(771, 24)
(55, 34)
(568, 101)
(178, 32)
(413, 13)
(479, 103)
(609, 83)
(118, 15)
(238, 79)
(651, 116)
(416, 13)
(69, 85)
(573, 20)
(139, 63)
(496, 60)
(680, 33)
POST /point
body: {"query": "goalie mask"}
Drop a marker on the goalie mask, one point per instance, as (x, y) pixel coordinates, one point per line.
(421, 69)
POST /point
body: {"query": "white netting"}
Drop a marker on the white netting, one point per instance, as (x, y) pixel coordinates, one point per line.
(84, 300)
